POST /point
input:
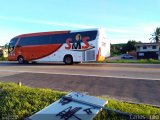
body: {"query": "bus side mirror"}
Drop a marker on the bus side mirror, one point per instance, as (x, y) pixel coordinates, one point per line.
(6, 45)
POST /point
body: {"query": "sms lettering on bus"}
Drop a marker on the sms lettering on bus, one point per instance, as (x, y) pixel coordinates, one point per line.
(77, 44)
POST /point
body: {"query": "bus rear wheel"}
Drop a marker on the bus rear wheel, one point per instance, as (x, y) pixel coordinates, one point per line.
(21, 60)
(68, 60)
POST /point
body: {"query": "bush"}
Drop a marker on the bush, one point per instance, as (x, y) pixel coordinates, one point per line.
(153, 61)
(3, 58)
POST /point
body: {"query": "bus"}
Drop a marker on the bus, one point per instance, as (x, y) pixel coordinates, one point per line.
(60, 46)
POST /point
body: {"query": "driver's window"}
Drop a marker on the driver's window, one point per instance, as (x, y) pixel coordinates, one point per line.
(12, 44)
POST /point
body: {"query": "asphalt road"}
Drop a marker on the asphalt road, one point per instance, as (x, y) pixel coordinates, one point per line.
(130, 82)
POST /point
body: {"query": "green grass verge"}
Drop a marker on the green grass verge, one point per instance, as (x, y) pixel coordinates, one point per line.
(150, 61)
(21, 102)
(3, 59)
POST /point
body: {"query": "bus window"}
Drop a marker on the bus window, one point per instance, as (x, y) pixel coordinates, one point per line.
(12, 44)
(34, 40)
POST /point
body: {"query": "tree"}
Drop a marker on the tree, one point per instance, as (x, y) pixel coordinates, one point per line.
(130, 46)
(156, 35)
(116, 49)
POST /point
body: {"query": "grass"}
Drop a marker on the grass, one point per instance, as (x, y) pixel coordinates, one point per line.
(134, 109)
(3, 59)
(23, 101)
(143, 61)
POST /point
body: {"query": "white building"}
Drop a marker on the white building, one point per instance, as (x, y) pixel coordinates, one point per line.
(148, 50)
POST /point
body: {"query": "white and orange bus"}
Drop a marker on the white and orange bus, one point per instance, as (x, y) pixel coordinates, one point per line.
(60, 46)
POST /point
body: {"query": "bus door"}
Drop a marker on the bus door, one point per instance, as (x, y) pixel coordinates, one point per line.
(83, 56)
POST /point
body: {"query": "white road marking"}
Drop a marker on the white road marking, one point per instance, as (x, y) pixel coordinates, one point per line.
(106, 76)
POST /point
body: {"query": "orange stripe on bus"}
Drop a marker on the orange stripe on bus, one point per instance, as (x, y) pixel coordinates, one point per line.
(38, 51)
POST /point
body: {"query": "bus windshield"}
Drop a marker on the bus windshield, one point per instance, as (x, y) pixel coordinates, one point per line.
(12, 45)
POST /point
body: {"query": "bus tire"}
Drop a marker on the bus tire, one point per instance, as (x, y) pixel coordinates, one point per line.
(21, 60)
(68, 60)
(34, 62)
(77, 62)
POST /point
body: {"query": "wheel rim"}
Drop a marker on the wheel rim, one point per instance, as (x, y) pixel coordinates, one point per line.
(21, 60)
(68, 60)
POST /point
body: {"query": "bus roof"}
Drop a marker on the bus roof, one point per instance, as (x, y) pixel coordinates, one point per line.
(42, 33)
(51, 33)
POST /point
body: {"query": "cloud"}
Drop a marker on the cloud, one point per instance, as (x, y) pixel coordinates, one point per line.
(139, 31)
(45, 22)
(120, 30)
(150, 27)
(7, 34)
(117, 30)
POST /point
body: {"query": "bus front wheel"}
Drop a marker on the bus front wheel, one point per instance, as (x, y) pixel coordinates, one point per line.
(21, 60)
(68, 60)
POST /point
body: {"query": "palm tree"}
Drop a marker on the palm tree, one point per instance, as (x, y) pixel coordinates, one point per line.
(156, 35)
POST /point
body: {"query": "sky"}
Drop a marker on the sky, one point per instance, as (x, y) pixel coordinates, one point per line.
(122, 20)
